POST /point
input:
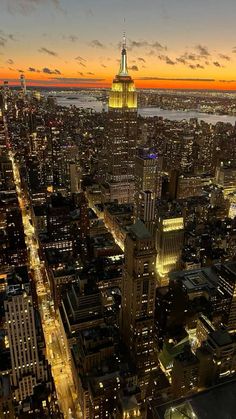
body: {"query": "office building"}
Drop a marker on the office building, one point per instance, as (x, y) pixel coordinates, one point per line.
(147, 185)
(225, 177)
(148, 166)
(29, 367)
(169, 243)
(227, 285)
(23, 84)
(122, 135)
(138, 301)
(183, 186)
(185, 373)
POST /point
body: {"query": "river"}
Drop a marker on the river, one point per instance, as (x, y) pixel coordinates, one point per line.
(86, 101)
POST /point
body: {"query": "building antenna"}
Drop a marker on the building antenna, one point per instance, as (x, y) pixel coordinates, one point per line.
(124, 36)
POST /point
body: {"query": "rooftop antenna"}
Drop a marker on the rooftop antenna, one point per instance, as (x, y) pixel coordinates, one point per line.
(124, 36)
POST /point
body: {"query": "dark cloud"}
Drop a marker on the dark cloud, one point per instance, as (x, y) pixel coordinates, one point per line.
(158, 46)
(90, 73)
(217, 64)
(80, 58)
(196, 66)
(133, 68)
(181, 60)
(81, 61)
(202, 51)
(187, 58)
(175, 79)
(33, 70)
(48, 51)
(80, 73)
(10, 61)
(137, 44)
(145, 44)
(82, 64)
(97, 44)
(20, 71)
(141, 59)
(191, 57)
(224, 57)
(47, 70)
(166, 59)
(104, 66)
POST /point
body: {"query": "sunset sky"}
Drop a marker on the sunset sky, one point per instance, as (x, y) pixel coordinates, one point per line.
(170, 43)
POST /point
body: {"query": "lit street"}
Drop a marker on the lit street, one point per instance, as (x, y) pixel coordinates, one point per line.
(55, 348)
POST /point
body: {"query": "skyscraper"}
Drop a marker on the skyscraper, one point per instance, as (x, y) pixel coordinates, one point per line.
(23, 84)
(29, 367)
(122, 135)
(169, 243)
(148, 167)
(147, 185)
(138, 300)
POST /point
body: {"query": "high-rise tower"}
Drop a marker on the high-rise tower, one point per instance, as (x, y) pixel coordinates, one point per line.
(147, 185)
(29, 367)
(138, 301)
(23, 84)
(122, 135)
(169, 244)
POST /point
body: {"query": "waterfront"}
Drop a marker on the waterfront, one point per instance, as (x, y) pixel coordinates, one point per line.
(180, 115)
(86, 101)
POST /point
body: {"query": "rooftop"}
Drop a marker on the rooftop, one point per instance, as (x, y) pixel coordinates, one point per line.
(216, 403)
(140, 231)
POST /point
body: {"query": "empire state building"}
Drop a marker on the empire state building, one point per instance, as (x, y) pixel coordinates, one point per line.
(122, 135)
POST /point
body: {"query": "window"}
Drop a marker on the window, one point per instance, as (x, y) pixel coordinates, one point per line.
(145, 286)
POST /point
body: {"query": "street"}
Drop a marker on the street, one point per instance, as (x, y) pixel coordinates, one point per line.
(55, 347)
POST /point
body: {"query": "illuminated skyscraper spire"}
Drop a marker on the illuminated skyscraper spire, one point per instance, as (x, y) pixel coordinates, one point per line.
(123, 64)
(122, 113)
(23, 84)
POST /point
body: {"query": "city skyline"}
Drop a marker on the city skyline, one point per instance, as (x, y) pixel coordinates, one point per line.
(67, 44)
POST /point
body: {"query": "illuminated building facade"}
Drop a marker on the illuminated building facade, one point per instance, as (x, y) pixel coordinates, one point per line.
(148, 167)
(138, 301)
(225, 177)
(227, 285)
(122, 136)
(29, 367)
(183, 186)
(169, 243)
(147, 185)
(23, 84)
(145, 209)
